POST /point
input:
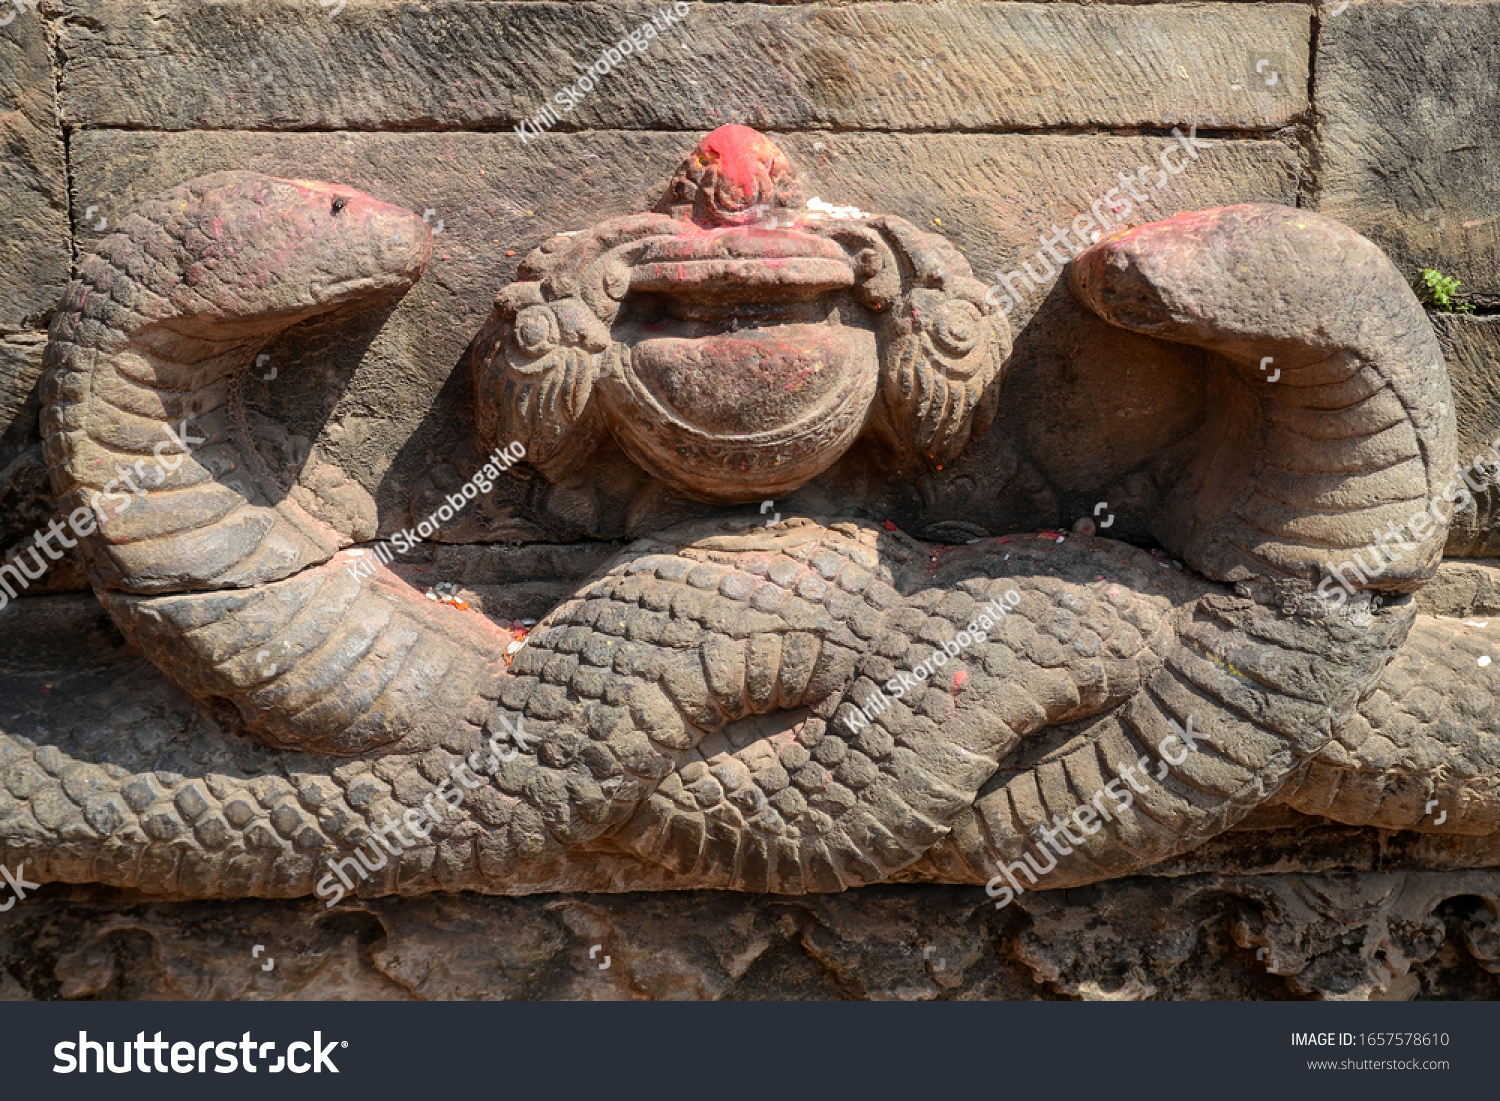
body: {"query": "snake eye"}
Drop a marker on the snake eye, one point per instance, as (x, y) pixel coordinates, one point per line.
(338, 205)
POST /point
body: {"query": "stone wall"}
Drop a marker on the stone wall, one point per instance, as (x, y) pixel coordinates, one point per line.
(987, 121)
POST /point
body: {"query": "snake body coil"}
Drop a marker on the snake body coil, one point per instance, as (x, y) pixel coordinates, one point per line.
(756, 709)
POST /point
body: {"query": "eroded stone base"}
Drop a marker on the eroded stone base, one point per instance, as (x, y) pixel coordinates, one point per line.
(1380, 936)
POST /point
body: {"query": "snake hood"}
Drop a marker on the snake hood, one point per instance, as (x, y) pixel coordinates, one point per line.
(238, 251)
(155, 333)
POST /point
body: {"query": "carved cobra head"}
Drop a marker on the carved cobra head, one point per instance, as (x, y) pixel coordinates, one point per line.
(293, 248)
(735, 342)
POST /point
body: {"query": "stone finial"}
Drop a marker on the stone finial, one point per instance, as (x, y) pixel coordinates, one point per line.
(736, 176)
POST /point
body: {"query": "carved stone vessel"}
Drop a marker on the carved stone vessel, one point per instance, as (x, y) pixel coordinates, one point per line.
(736, 342)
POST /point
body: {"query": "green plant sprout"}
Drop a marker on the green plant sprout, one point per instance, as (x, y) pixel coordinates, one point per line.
(1442, 292)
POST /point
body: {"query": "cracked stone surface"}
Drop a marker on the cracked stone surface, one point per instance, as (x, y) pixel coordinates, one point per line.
(1371, 936)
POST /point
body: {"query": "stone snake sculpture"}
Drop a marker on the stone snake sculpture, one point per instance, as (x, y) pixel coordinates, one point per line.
(696, 702)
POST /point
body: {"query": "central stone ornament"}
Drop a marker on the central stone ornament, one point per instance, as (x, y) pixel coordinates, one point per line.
(735, 342)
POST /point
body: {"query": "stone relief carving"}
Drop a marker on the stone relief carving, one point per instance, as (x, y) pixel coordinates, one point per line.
(803, 706)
